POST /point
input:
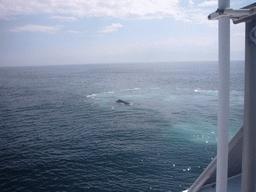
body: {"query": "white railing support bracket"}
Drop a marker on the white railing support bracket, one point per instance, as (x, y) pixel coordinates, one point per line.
(237, 15)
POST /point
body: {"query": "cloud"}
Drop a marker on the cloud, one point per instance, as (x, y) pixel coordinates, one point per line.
(63, 18)
(124, 9)
(191, 2)
(76, 32)
(111, 28)
(208, 3)
(37, 28)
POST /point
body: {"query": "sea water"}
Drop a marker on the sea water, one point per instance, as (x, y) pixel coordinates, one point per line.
(61, 128)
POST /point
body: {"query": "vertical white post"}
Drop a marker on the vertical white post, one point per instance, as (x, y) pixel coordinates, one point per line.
(223, 99)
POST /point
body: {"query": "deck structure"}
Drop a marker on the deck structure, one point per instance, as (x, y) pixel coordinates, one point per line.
(234, 168)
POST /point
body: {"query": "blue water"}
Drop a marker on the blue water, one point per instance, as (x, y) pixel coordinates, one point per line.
(62, 130)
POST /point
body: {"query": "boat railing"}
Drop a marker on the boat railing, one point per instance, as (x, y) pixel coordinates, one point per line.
(209, 174)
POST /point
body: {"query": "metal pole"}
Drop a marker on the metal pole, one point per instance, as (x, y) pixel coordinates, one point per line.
(223, 100)
(249, 135)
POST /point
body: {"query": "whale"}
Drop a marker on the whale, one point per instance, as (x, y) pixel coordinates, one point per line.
(123, 102)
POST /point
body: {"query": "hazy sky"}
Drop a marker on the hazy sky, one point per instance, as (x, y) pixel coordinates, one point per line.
(54, 32)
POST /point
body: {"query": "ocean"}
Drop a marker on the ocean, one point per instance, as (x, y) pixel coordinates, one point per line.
(61, 128)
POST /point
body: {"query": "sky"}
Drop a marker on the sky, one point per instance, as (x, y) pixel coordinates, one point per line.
(63, 32)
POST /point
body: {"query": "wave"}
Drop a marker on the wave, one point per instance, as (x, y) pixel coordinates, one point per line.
(207, 93)
(134, 89)
(92, 95)
(198, 90)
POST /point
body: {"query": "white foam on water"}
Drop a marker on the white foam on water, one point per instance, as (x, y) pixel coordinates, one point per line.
(133, 89)
(206, 92)
(91, 96)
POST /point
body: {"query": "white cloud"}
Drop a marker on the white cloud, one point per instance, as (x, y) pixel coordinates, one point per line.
(111, 28)
(124, 9)
(208, 3)
(191, 2)
(37, 28)
(76, 32)
(63, 18)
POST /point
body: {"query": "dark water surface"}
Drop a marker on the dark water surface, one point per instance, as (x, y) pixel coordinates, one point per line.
(61, 128)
